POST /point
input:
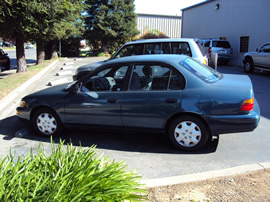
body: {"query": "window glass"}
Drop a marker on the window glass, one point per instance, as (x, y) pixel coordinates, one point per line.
(221, 44)
(181, 48)
(203, 72)
(155, 77)
(244, 42)
(266, 48)
(109, 79)
(166, 48)
(129, 50)
(153, 48)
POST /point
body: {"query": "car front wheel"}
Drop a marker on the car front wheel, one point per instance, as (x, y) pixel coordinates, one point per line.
(46, 122)
(249, 66)
(188, 133)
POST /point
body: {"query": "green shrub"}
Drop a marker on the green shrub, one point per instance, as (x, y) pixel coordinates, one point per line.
(101, 54)
(70, 174)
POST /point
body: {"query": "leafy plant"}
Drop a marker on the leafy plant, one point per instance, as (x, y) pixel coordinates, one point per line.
(68, 174)
(101, 54)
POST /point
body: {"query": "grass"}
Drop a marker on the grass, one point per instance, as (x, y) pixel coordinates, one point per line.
(68, 174)
(12, 81)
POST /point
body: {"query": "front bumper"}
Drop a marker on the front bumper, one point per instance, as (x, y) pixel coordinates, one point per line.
(23, 113)
(221, 124)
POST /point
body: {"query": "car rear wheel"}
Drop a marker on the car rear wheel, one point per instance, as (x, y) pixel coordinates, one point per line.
(46, 122)
(249, 66)
(188, 133)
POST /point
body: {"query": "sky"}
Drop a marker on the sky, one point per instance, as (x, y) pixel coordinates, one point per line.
(163, 7)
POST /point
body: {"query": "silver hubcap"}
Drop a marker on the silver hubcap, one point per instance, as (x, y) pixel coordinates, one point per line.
(46, 123)
(187, 134)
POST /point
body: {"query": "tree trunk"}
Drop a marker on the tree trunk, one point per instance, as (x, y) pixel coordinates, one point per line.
(20, 55)
(40, 51)
(54, 49)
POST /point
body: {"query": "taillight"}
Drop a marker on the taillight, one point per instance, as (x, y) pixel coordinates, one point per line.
(210, 50)
(247, 105)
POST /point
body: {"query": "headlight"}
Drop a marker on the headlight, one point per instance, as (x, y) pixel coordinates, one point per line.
(22, 103)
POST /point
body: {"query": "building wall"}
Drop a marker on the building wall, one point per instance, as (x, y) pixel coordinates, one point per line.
(233, 19)
(169, 25)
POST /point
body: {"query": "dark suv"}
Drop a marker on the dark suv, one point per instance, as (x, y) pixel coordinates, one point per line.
(4, 60)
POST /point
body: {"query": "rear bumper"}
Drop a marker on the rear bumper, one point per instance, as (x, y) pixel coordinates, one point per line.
(221, 124)
(224, 57)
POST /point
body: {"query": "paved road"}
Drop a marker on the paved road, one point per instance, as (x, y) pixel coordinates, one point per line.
(30, 56)
(151, 154)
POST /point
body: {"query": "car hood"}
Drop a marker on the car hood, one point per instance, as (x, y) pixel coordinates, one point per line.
(50, 92)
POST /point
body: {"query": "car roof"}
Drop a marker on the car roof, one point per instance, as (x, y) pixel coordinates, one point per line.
(161, 40)
(163, 58)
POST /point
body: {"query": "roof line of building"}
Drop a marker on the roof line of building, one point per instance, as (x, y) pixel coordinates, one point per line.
(159, 15)
(195, 5)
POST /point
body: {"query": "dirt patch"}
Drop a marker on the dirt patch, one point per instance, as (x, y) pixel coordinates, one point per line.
(253, 186)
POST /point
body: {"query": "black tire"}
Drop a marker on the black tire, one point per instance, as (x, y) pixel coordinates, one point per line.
(7, 66)
(213, 60)
(248, 66)
(193, 137)
(46, 122)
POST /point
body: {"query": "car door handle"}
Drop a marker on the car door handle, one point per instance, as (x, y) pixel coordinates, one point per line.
(171, 100)
(112, 100)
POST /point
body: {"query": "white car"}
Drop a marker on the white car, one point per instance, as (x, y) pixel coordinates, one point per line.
(29, 46)
(179, 46)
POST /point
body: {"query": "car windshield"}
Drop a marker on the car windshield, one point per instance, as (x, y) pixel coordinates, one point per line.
(203, 72)
(221, 44)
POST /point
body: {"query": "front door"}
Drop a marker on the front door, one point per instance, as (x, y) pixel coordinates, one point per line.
(99, 98)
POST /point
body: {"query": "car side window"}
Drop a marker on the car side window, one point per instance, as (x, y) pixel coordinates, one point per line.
(149, 77)
(109, 79)
(181, 48)
(153, 48)
(266, 48)
(129, 50)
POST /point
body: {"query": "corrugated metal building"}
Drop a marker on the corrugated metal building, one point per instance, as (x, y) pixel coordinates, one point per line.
(245, 24)
(169, 25)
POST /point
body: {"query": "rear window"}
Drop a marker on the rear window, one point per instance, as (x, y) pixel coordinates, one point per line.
(203, 72)
(221, 44)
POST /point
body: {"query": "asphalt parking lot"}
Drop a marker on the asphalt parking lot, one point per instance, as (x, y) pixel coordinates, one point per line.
(150, 154)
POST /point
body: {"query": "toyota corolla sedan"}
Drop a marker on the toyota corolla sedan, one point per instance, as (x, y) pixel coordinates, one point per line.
(173, 94)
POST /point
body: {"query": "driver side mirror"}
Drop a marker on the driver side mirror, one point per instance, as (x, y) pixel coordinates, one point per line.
(75, 88)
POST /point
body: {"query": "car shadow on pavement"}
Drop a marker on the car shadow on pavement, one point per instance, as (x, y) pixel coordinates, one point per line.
(119, 141)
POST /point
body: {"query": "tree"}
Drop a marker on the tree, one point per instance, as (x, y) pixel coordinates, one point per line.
(55, 20)
(14, 21)
(38, 20)
(110, 22)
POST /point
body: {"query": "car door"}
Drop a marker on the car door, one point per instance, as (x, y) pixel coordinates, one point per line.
(153, 96)
(98, 100)
(266, 55)
(259, 59)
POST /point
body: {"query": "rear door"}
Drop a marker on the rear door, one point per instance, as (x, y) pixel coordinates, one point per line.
(150, 107)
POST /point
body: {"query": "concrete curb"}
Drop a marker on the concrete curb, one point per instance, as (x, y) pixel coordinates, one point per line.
(12, 99)
(205, 175)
